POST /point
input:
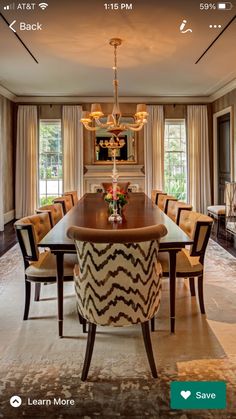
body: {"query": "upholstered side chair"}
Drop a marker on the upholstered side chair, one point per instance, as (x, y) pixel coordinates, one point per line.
(174, 209)
(65, 201)
(154, 195)
(54, 211)
(122, 185)
(163, 200)
(217, 212)
(40, 267)
(190, 262)
(117, 280)
(74, 196)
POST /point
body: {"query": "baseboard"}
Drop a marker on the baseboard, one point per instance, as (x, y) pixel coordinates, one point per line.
(9, 216)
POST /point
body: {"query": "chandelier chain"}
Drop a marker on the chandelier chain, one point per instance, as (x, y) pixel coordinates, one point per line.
(115, 76)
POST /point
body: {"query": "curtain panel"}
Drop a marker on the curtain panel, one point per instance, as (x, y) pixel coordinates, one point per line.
(198, 157)
(73, 149)
(26, 194)
(154, 149)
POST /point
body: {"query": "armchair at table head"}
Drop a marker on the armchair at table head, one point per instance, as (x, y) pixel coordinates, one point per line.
(117, 279)
(122, 185)
(74, 196)
(65, 201)
(55, 212)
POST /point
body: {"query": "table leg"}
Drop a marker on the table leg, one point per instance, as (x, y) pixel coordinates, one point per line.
(60, 276)
(172, 279)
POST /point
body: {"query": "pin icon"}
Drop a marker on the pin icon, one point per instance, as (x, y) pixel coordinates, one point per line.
(15, 401)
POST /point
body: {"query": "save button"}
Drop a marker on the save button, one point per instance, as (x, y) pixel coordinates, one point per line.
(198, 395)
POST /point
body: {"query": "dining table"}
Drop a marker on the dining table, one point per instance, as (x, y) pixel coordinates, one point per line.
(92, 212)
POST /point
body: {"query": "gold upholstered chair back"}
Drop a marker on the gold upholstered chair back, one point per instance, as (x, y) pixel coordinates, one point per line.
(174, 209)
(198, 227)
(154, 195)
(65, 201)
(54, 211)
(30, 231)
(163, 200)
(74, 196)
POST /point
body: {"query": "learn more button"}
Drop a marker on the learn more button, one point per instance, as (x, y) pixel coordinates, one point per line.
(198, 395)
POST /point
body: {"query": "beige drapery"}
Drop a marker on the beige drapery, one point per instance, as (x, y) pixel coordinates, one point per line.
(73, 148)
(26, 193)
(154, 149)
(198, 157)
(1, 164)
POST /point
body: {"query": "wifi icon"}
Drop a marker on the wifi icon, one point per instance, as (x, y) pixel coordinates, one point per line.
(43, 5)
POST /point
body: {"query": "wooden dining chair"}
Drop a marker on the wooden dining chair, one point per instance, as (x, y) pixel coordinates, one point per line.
(117, 280)
(190, 262)
(174, 209)
(74, 196)
(65, 201)
(54, 211)
(163, 200)
(40, 267)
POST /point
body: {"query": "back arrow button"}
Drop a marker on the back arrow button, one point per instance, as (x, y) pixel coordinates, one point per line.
(10, 26)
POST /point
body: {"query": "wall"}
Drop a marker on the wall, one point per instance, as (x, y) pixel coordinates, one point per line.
(224, 102)
(50, 111)
(175, 111)
(7, 148)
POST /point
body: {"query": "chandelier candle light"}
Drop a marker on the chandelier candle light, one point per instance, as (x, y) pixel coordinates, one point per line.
(91, 121)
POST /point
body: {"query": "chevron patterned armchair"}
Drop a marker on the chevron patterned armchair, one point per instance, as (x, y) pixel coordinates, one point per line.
(117, 280)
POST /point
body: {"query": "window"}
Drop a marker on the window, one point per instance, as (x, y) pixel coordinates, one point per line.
(175, 158)
(50, 160)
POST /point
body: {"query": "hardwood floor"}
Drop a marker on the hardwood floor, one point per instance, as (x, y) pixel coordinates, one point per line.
(7, 238)
(226, 240)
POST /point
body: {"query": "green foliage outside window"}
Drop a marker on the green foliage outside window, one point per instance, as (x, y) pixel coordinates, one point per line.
(50, 160)
(175, 159)
(46, 200)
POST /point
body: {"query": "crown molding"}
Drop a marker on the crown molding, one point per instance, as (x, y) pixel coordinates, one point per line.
(109, 99)
(6, 93)
(123, 99)
(223, 90)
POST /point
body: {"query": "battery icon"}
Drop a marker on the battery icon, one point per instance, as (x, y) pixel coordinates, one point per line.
(224, 6)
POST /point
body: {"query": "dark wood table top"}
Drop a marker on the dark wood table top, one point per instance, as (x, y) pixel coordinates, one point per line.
(92, 212)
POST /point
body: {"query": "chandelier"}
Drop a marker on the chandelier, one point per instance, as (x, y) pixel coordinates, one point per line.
(92, 120)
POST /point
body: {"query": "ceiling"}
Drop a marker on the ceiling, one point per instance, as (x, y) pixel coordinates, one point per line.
(75, 58)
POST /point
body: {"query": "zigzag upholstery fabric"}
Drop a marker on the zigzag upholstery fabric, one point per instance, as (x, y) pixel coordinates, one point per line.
(117, 284)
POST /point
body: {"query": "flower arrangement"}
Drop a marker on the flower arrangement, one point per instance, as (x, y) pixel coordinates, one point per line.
(120, 196)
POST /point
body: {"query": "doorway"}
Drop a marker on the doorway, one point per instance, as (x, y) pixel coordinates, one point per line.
(223, 153)
(223, 146)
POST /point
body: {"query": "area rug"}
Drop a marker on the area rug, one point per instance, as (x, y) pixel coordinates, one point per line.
(37, 365)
